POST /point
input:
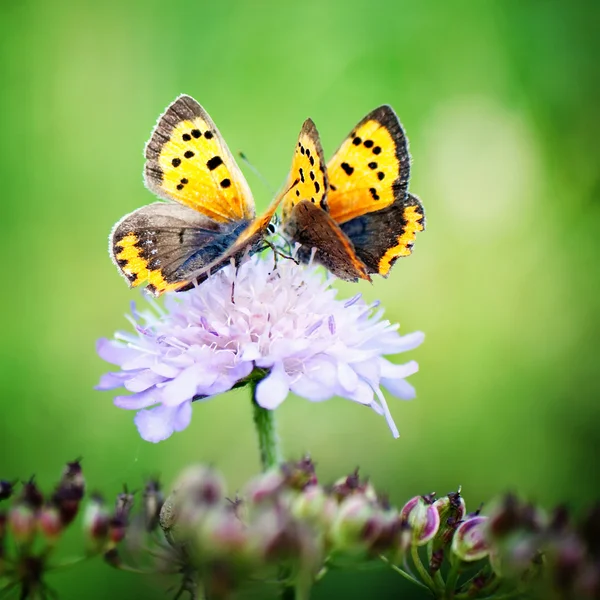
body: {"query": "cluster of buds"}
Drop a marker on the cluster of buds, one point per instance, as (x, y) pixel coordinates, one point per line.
(552, 553)
(35, 522)
(286, 529)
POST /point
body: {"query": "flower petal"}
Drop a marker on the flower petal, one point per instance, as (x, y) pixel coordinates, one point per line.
(400, 388)
(137, 401)
(110, 381)
(387, 414)
(114, 352)
(274, 388)
(157, 424)
(391, 371)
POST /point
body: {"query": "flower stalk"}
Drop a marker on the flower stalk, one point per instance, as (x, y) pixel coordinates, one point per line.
(268, 441)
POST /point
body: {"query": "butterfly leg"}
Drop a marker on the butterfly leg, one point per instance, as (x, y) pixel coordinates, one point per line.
(277, 252)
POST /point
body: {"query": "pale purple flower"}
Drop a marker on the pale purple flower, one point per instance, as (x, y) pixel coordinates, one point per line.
(284, 318)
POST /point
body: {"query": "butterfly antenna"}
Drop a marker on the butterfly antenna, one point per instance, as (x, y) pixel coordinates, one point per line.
(256, 172)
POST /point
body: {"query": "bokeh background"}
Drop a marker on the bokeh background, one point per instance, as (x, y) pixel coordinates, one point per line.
(500, 102)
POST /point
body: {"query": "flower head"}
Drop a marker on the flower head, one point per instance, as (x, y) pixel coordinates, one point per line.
(283, 319)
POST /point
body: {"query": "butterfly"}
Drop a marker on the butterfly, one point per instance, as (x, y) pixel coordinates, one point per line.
(209, 217)
(358, 217)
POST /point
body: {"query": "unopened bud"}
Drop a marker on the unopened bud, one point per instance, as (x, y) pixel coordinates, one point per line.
(49, 522)
(510, 515)
(299, 475)
(22, 520)
(265, 486)
(196, 491)
(153, 502)
(96, 522)
(469, 542)
(452, 510)
(351, 485)
(422, 517)
(200, 485)
(352, 519)
(6, 489)
(72, 478)
(315, 506)
(221, 534)
(31, 495)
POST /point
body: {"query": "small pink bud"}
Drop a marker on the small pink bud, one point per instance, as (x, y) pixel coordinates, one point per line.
(314, 505)
(96, 521)
(469, 542)
(352, 519)
(422, 517)
(221, 534)
(200, 486)
(299, 475)
(50, 523)
(351, 485)
(265, 486)
(23, 523)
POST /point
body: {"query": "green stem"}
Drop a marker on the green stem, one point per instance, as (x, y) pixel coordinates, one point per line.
(423, 574)
(403, 573)
(268, 443)
(452, 580)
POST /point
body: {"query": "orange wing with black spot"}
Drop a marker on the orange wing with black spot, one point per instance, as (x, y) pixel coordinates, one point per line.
(304, 210)
(308, 178)
(189, 161)
(368, 192)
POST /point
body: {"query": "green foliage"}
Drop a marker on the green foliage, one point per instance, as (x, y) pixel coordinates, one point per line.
(499, 100)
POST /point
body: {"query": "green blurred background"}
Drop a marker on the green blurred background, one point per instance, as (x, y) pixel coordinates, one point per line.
(500, 102)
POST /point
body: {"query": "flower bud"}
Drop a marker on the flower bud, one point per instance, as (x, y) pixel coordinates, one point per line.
(153, 502)
(315, 506)
(511, 515)
(6, 489)
(347, 486)
(72, 479)
(469, 542)
(96, 522)
(22, 517)
(355, 515)
(197, 490)
(22, 520)
(423, 517)
(50, 523)
(3, 521)
(274, 536)
(299, 475)
(200, 485)
(266, 486)
(451, 509)
(221, 534)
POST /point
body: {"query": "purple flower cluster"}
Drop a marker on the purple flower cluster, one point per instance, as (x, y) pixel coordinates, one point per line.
(281, 317)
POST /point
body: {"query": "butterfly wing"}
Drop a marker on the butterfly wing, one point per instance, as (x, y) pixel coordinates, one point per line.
(308, 177)
(187, 160)
(304, 210)
(312, 227)
(368, 194)
(162, 243)
(381, 237)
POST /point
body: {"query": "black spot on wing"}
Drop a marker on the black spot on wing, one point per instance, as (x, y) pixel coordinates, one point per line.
(347, 168)
(214, 162)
